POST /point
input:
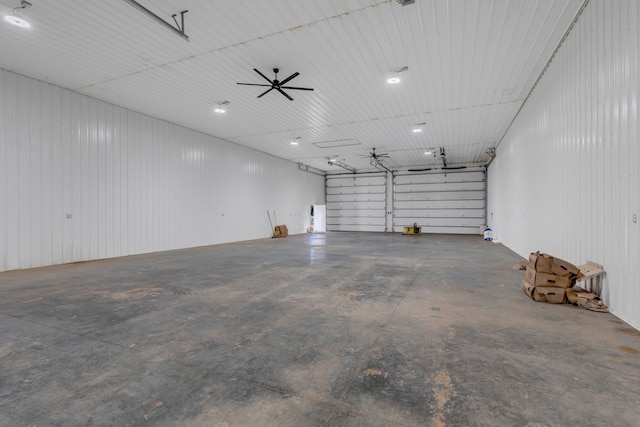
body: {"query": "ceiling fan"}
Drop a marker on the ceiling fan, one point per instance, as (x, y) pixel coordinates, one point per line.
(376, 159)
(375, 156)
(276, 84)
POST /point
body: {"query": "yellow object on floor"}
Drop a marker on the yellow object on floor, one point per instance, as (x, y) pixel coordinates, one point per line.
(412, 231)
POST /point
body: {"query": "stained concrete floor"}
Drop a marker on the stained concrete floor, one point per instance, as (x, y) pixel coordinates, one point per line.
(342, 329)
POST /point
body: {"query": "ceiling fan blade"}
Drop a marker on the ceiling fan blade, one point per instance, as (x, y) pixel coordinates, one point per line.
(292, 76)
(296, 88)
(263, 76)
(253, 84)
(282, 92)
(265, 92)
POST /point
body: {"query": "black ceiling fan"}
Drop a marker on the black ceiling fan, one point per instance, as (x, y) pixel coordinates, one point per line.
(276, 84)
(375, 156)
(376, 159)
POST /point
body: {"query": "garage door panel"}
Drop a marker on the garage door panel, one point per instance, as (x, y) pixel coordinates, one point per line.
(442, 230)
(361, 213)
(354, 190)
(444, 186)
(356, 180)
(442, 195)
(439, 204)
(473, 223)
(355, 227)
(366, 205)
(439, 213)
(400, 180)
(355, 220)
(333, 198)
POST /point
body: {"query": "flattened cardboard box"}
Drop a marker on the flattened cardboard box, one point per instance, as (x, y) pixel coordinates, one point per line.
(537, 278)
(550, 295)
(527, 288)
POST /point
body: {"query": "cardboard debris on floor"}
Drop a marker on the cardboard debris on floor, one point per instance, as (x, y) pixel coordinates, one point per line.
(592, 276)
(553, 280)
(280, 231)
(522, 265)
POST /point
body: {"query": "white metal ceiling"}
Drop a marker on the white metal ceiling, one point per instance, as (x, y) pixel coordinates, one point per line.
(470, 65)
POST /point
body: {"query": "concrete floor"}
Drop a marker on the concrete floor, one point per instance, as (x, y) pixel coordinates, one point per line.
(342, 329)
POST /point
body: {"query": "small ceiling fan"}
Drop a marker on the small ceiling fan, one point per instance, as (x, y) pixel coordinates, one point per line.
(376, 159)
(375, 156)
(276, 84)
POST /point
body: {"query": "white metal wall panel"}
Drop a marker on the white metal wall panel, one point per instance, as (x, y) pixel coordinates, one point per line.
(565, 179)
(452, 202)
(81, 179)
(356, 202)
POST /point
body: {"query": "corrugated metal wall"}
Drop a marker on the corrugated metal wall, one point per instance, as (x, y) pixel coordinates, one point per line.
(81, 179)
(566, 177)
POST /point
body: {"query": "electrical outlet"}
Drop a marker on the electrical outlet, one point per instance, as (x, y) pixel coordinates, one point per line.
(69, 216)
(634, 218)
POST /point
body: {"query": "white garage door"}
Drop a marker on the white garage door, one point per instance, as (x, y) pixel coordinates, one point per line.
(356, 202)
(440, 203)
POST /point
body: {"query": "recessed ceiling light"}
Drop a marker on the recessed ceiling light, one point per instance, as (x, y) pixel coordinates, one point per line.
(17, 21)
(294, 142)
(14, 17)
(221, 108)
(417, 130)
(428, 153)
(395, 78)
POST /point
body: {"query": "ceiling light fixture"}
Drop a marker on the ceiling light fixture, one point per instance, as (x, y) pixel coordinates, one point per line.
(418, 127)
(395, 78)
(295, 141)
(14, 17)
(221, 108)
